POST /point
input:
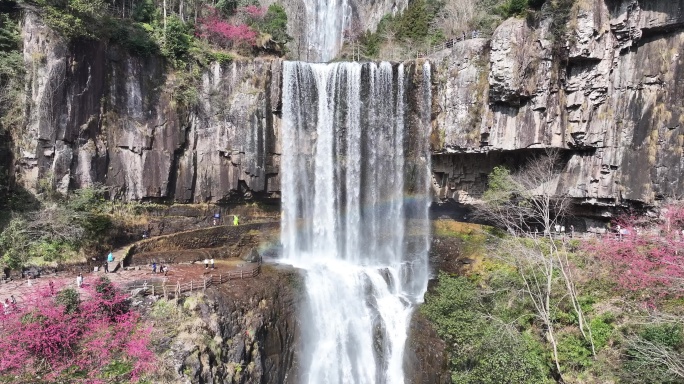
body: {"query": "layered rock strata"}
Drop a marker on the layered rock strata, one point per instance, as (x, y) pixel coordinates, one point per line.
(607, 94)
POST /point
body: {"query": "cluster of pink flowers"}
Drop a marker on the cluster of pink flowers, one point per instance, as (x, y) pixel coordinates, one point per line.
(219, 31)
(253, 11)
(46, 336)
(646, 255)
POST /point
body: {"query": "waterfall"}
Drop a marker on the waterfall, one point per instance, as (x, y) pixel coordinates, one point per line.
(326, 21)
(355, 181)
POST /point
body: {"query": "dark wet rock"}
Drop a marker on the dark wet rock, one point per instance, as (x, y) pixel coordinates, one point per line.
(245, 332)
(426, 359)
(252, 256)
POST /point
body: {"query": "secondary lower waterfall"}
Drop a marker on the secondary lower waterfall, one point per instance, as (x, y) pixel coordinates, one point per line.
(355, 181)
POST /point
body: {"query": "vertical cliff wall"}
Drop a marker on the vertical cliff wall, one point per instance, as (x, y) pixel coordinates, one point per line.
(606, 93)
(245, 332)
(96, 114)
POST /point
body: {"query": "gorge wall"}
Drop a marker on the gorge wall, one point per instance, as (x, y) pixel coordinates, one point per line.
(96, 114)
(606, 94)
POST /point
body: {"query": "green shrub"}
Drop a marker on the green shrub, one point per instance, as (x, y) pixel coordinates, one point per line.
(185, 88)
(74, 18)
(51, 250)
(222, 57)
(136, 38)
(482, 350)
(668, 335)
(117, 369)
(275, 24)
(176, 42)
(515, 8)
(602, 329)
(574, 352)
(70, 299)
(414, 23)
(502, 358)
(90, 199)
(11, 81)
(145, 11)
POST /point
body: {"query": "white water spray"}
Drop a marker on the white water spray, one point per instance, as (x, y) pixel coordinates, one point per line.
(355, 214)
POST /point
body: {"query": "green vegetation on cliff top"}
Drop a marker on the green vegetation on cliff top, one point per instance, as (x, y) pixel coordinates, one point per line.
(426, 23)
(185, 33)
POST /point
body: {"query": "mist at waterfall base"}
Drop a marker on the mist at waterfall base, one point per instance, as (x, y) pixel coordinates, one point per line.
(355, 213)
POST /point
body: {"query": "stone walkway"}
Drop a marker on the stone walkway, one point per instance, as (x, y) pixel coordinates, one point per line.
(122, 278)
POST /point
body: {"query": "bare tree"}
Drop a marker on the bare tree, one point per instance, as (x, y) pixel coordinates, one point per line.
(527, 206)
(658, 354)
(455, 17)
(537, 272)
(391, 47)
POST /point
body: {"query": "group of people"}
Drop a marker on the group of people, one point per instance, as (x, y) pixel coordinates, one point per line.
(162, 268)
(10, 304)
(216, 220)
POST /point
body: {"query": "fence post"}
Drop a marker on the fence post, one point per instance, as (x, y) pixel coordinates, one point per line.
(152, 290)
(190, 285)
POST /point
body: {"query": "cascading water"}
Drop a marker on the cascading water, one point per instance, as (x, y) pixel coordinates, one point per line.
(325, 28)
(355, 213)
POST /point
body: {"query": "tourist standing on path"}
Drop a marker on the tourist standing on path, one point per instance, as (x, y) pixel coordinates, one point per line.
(79, 280)
(235, 220)
(106, 267)
(206, 263)
(110, 257)
(166, 270)
(212, 263)
(154, 267)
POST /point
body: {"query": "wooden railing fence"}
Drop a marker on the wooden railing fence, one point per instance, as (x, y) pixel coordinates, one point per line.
(176, 290)
(447, 44)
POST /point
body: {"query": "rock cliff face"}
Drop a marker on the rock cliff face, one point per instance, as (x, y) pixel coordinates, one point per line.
(246, 332)
(607, 95)
(97, 114)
